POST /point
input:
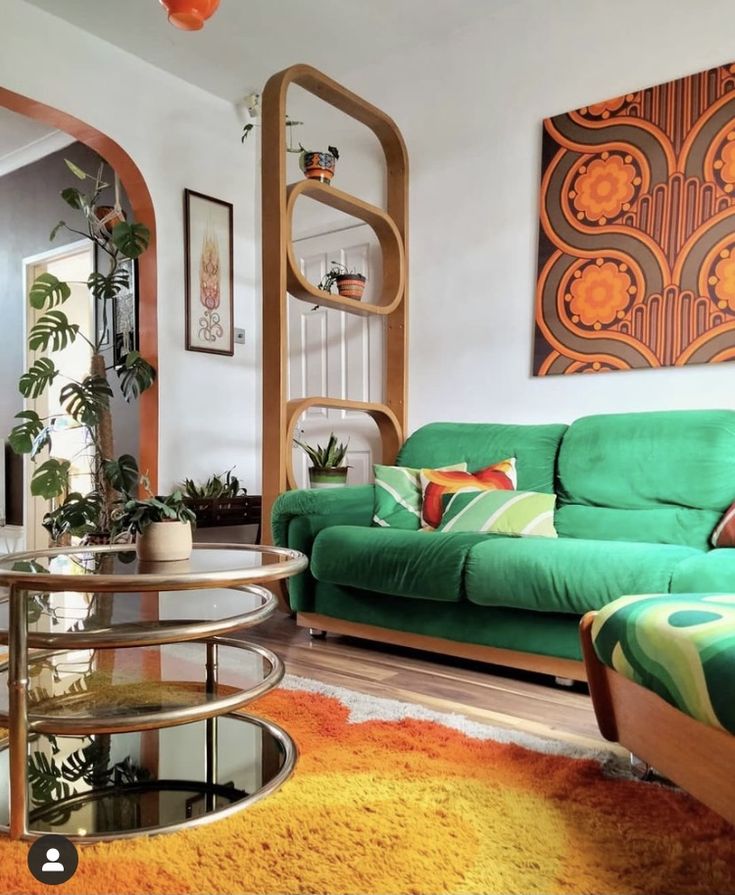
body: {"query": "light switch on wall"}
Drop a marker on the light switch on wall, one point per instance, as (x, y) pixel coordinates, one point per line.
(239, 336)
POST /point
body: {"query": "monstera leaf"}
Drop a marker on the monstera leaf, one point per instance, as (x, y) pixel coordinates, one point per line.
(48, 290)
(38, 378)
(53, 331)
(50, 479)
(131, 239)
(123, 473)
(85, 401)
(102, 286)
(22, 436)
(78, 515)
(136, 375)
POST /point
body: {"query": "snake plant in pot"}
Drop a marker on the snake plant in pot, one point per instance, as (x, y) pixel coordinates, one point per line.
(327, 468)
(85, 402)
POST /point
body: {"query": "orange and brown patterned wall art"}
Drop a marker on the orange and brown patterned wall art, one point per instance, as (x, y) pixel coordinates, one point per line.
(637, 240)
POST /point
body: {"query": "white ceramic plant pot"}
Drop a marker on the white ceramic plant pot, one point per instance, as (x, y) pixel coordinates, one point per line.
(164, 542)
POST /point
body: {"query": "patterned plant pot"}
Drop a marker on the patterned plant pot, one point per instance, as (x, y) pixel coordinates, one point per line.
(164, 542)
(318, 165)
(328, 478)
(351, 285)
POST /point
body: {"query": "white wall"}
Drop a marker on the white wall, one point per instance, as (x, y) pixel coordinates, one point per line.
(179, 137)
(471, 110)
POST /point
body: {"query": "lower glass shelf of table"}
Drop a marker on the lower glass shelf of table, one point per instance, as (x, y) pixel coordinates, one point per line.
(110, 786)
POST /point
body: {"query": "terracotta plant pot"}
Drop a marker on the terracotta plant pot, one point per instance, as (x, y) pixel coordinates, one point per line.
(328, 478)
(113, 217)
(351, 285)
(318, 165)
(164, 542)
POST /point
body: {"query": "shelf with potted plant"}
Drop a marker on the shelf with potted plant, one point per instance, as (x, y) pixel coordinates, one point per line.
(388, 425)
(281, 274)
(221, 500)
(388, 236)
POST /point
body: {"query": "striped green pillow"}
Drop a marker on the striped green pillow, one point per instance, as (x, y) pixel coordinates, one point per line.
(519, 514)
(398, 496)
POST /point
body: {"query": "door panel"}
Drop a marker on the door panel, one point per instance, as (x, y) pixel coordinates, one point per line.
(336, 354)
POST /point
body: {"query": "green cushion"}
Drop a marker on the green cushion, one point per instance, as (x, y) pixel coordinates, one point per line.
(713, 571)
(427, 565)
(481, 444)
(681, 647)
(398, 496)
(639, 461)
(548, 634)
(517, 514)
(565, 575)
(655, 525)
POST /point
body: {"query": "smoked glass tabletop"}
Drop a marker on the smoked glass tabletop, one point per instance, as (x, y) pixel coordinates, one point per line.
(118, 567)
(78, 619)
(85, 691)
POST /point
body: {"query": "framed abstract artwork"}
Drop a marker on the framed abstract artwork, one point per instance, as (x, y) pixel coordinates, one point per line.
(209, 277)
(636, 262)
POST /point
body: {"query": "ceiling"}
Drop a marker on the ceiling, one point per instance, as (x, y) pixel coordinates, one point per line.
(248, 40)
(23, 140)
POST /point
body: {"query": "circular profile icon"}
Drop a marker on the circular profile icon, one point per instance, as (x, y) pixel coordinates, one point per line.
(53, 860)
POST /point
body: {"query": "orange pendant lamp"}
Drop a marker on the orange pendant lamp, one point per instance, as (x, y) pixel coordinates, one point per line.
(189, 15)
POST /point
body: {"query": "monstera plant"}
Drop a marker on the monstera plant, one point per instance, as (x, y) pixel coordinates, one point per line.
(85, 403)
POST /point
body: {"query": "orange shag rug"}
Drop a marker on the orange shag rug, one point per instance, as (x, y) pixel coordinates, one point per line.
(385, 803)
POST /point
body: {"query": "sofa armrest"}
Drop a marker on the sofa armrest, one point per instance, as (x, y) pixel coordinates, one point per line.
(299, 516)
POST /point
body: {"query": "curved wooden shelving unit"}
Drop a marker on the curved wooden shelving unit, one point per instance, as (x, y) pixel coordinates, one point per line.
(281, 274)
(391, 433)
(391, 247)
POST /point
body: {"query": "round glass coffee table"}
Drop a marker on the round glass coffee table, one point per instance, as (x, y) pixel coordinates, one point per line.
(122, 685)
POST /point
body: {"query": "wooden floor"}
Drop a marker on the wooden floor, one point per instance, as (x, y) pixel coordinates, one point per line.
(506, 698)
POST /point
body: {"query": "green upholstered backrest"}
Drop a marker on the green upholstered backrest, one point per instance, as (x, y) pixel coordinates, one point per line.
(481, 444)
(662, 477)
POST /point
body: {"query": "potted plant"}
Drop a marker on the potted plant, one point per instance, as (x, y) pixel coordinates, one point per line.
(316, 164)
(350, 283)
(86, 403)
(326, 470)
(319, 165)
(220, 500)
(161, 526)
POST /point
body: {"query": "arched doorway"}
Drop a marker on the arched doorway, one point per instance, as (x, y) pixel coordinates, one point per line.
(142, 206)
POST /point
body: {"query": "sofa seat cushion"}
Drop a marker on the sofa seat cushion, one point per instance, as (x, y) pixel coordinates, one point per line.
(567, 575)
(680, 646)
(426, 565)
(706, 572)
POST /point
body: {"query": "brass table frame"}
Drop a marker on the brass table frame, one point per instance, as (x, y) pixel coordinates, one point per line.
(19, 583)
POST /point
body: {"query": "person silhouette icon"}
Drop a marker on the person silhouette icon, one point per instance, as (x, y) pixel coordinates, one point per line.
(52, 865)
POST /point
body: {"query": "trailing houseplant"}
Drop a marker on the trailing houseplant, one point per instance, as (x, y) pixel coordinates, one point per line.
(327, 469)
(86, 403)
(349, 282)
(317, 164)
(161, 526)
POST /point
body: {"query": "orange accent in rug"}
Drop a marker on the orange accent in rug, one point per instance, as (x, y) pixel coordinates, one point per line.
(416, 807)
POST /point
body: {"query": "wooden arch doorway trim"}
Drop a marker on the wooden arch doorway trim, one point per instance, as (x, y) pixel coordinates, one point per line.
(142, 206)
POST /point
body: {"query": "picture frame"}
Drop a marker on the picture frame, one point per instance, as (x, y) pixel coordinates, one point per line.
(209, 293)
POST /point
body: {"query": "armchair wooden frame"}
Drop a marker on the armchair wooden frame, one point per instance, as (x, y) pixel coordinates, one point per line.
(695, 756)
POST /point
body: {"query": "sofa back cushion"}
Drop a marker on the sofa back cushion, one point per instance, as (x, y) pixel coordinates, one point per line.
(668, 475)
(481, 444)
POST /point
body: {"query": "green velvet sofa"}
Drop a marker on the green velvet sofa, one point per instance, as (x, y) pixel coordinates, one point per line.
(638, 496)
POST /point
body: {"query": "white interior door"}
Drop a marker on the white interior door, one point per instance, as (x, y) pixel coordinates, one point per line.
(336, 354)
(73, 266)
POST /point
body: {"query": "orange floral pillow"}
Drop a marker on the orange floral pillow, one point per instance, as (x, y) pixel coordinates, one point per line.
(437, 482)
